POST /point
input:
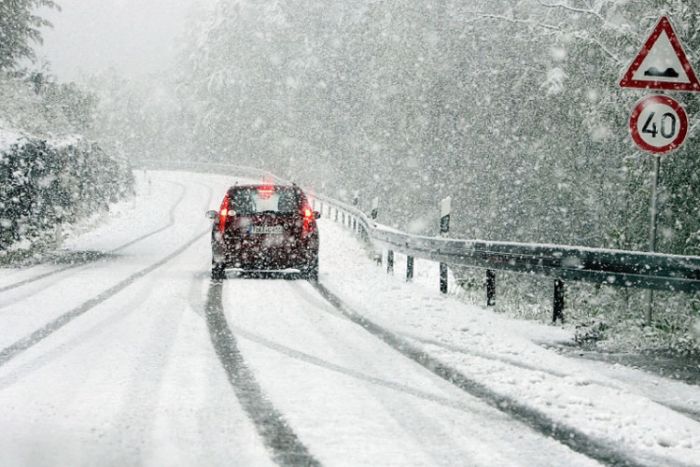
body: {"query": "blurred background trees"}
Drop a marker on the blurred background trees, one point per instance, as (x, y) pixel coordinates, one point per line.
(510, 107)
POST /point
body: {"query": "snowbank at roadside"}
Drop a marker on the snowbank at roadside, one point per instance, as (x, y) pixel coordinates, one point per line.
(503, 355)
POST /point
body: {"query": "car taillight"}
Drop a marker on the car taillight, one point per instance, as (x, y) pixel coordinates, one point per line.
(223, 214)
(309, 222)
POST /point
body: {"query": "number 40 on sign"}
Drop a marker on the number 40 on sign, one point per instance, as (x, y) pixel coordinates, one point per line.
(659, 124)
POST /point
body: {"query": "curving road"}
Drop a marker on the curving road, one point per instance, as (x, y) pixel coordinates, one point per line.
(138, 358)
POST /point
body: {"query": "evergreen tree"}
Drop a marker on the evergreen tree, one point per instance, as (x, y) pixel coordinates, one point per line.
(20, 29)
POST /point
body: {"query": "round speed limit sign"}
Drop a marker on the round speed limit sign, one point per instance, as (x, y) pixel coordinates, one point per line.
(659, 124)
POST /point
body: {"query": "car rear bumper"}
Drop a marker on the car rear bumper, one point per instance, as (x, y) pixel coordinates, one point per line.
(237, 256)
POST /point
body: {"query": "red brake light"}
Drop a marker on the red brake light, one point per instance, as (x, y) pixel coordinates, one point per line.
(223, 214)
(309, 222)
(266, 191)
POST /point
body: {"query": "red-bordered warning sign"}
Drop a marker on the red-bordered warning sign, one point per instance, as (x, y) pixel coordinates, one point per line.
(659, 124)
(662, 63)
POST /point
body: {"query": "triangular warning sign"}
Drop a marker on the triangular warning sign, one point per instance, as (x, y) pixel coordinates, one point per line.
(662, 63)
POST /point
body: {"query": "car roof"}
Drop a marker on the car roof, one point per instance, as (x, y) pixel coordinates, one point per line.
(263, 185)
(274, 186)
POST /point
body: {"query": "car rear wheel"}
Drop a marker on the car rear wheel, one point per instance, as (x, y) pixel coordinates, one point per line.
(310, 270)
(218, 271)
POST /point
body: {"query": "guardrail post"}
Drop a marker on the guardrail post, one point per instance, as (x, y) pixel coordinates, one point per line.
(445, 211)
(390, 262)
(355, 202)
(558, 301)
(336, 214)
(374, 214)
(443, 277)
(409, 268)
(490, 288)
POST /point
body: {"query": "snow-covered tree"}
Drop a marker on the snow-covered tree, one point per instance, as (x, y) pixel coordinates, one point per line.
(20, 30)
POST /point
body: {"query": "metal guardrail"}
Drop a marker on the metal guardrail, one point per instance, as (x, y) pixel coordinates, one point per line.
(617, 268)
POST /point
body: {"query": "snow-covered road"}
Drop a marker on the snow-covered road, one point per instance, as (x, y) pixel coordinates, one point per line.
(135, 357)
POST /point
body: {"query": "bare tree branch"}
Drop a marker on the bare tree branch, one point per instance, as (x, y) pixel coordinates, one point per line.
(530, 23)
(573, 9)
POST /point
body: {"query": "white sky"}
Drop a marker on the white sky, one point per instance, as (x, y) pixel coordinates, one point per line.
(134, 36)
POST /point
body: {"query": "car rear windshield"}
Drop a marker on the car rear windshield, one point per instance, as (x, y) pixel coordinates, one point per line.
(264, 199)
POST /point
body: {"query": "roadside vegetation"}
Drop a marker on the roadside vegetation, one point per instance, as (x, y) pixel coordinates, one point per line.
(52, 173)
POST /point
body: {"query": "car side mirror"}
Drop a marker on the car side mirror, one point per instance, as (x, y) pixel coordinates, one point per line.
(212, 215)
(317, 215)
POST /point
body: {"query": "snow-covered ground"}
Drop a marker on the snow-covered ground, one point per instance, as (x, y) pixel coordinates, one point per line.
(623, 408)
(8, 137)
(138, 358)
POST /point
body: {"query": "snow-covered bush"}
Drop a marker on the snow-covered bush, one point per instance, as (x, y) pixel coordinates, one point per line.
(45, 184)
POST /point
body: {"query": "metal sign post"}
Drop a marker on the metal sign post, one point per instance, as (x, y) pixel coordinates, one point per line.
(654, 202)
(653, 210)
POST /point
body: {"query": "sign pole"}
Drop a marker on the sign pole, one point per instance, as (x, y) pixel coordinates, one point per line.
(653, 228)
(654, 202)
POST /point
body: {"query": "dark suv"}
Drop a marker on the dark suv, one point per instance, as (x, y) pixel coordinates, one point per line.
(265, 228)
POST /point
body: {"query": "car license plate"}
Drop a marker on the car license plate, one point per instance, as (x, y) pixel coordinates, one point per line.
(266, 230)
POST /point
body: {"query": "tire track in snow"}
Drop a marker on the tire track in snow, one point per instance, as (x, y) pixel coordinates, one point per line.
(37, 336)
(275, 431)
(341, 370)
(43, 360)
(575, 439)
(694, 414)
(171, 222)
(45, 331)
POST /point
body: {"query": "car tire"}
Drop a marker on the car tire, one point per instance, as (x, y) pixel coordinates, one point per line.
(218, 271)
(310, 270)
